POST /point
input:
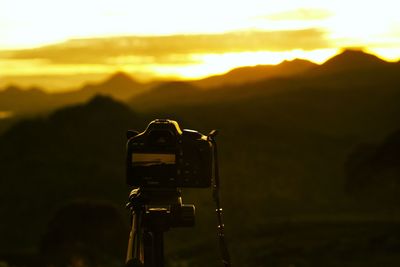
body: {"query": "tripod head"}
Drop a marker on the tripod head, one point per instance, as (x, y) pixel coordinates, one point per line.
(161, 208)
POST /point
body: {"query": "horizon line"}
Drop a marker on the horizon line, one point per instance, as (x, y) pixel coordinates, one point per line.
(108, 75)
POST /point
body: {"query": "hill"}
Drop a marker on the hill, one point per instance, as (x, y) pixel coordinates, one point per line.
(23, 102)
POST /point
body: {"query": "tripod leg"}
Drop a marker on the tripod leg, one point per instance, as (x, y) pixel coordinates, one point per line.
(131, 241)
(159, 248)
(148, 246)
(154, 249)
(134, 255)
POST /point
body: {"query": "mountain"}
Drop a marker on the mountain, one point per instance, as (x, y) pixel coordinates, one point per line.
(25, 101)
(353, 60)
(13, 98)
(33, 101)
(251, 74)
(120, 86)
(349, 65)
(354, 69)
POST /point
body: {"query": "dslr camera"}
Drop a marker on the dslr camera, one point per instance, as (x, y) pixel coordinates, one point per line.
(164, 156)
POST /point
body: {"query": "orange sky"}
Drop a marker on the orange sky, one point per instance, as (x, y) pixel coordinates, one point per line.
(59, 44)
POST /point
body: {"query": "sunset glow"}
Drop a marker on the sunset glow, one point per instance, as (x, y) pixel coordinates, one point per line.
(185, 39)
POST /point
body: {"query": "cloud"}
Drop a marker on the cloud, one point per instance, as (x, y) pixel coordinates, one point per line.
(173, 49)
(301, 14)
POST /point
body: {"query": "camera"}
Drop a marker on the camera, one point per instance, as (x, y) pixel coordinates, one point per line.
(164, 156)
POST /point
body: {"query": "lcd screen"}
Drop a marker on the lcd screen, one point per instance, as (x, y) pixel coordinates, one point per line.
(150, 159)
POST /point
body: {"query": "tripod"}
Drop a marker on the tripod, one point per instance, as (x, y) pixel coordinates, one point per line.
(154, 211)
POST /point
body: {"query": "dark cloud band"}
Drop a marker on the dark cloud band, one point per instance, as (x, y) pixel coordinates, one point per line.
(172, 49)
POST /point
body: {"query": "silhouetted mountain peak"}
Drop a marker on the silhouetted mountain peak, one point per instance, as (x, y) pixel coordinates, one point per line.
(120, 78)
(297, 63)
(13, 90)
(99, 108)
(353, 59)
(104, 102)
(120, 86)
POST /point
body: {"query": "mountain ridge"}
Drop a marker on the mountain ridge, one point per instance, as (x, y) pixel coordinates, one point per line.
(123, 87)
(329, 76)
(249, 74)
(35, 100)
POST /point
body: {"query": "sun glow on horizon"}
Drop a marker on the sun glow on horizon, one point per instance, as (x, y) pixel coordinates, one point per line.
(204, 64)
(222, 63)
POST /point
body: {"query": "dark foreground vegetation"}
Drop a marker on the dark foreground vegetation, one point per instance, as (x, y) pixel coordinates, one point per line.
(309, 165)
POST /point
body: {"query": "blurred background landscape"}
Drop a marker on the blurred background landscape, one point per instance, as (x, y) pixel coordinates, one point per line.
(309, 131)
(309, 165)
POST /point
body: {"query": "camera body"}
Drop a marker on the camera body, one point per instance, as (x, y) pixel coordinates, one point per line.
(164, 156)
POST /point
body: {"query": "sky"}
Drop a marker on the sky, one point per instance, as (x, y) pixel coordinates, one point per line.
(57, 44)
